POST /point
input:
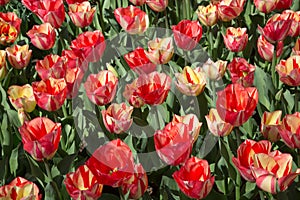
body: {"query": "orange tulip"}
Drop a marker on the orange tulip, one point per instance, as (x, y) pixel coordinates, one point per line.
(42, 36)
(216, 125)
(270, 124)
(81, 14)
(12, 19)
(19, 56)
(289, 71)
(8, 33)
(236, 39)
(208, 15)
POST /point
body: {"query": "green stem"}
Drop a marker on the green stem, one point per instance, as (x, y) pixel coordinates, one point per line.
(166, 19)
(210, 42)
(238, 176)
(274, 62)
(214, 93)
(296, 98)
(64, 109)
(261, 195)
(53, 183)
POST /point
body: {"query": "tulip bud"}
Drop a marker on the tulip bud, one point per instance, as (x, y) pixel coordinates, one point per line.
(157, 5)
(3, 69)
(216, 125)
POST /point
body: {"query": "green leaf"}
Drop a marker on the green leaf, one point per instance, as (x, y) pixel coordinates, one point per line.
(170, 182)
(49, 192)
(66, 163)
(13, 161)
(106, 196)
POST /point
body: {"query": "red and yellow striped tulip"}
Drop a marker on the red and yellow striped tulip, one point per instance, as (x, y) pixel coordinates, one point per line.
(214, 70)
(19, 56)
(270, 124)
(266, 49)
(157, 5)
(230, 9)
(289, 71)
(208, 15)
(216, 125)
(236, 39)
(12, 19)
(81, 14)
(265, 6)
(160, 50)
(51, 66)
(42, 36)
(8, 33)
(289, 130)
(3, 69)
(138, 2)
(131, 96)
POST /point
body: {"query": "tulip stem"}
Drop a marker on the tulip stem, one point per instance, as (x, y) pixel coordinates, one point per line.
(53, 183)
(64, 109)
(298, 157)
(296, 98)
(261, 195)
(274, 62)
(210, 42)
(166, 18)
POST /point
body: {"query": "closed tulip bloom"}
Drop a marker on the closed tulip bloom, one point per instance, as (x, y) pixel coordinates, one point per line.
(117, 118)
(42, 36)
(270, 124)
(241, 72)
(284, 4)
(208, 15)
(130, 94)
(266, 6)
(3, 70)
(40, 137)
(194, 178)
(289, 71)
(50, 94)
(295, 18)
(216, 125)
(138, 2)
(8, 33)
(132, 19)
(101, 88)
(173, 144)
(235, 39)
(266, 49)
(139, 62)
(157, 5)
(230, 9)
(19, 56)
(187, 34)
(273, 170)
(20, 188)
(245, 156)
(73, 79)
(236, 104)
(12, 19)
(21, 97)
(289, 130)
(214, 70)
(81, 14)
(82, 184)
(160, 50)
(89, 45)
(137, 184)
(191, 82)
(112, 164)
(51, 66)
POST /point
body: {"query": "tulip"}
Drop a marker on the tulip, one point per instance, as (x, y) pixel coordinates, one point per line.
(89, 45)
(132, 19)
(191, 82)
(245, 156)
(241, 72)
(42, 36)
(73, 80)
(296, 49)
(230, 9)
(12, 19)
(50, 94)
(236, 39)
(3, 69)
(112, 164)
(19, 56)
(270, 125)
(173, 144)
(22, 116)
(216, 125)
(266, 49)
(208, 15)
(137, 184)
(73, 60)
(131, 96)
(276, 29)
(289, 71)
(101, 88)
(266, 6)
(139, 62)
(51, 66)
(81, 14)
(289, 130)
(138, 2)
(3, 2)
(273, 171)
(157, 5)
(236, 104)
(214, 70)
(295, 17)
(160, 50)
(187, 34)
(40, 137)
(20, 188)
(153, 88)
(21, 97)
(82, 184)
(194, 178)
(284, 4)
(74, 1)
(8, 33)
(117, 118)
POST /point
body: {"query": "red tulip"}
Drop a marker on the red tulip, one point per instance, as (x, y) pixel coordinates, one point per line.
(81, 14)
(8, 33)
(73, 60)
(230, 9)
(235, 104)
(187, 34)
(139, 62)
(40, 137)
(266, 6)
(289, 71)
(42, 36)
(3, 2)
(138, 2)
(51, 66)
(289, 130)
(194, 178)
(12, 19)
(50, 94)
(74, 1)
(236, 39)
(132, 19)
(266, 49)
(284, 4)
(270, 124)
(241, 72)
(295, 17)
(101, 88)
(173, 144)
(82, 184)
(117, 118)
(112, 164)
(157, 5)
(3, 69)
(214, 70)
(160, 50)
(89, 45)
(208, 15)
(19, 56)
(216, 125)
(245, 156)
(131, 96)
(137, 184)
(20, 189)
(73, 79)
